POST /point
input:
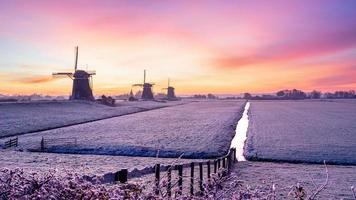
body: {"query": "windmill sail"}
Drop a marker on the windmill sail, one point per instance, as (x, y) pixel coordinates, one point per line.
(76, 58)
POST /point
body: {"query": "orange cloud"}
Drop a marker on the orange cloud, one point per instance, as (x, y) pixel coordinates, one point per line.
(345, 76)
(35, 79)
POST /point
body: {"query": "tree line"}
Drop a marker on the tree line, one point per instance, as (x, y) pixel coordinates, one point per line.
(298, 94)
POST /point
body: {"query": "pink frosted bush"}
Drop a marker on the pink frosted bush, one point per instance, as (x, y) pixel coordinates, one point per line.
(15, 184)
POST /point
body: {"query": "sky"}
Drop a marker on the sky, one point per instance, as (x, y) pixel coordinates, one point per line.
(220, 47)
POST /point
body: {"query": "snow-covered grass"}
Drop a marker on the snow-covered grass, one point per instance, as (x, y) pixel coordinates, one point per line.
(302, 131)
(199, 130)
(21, 118)
(262, 177)
(83, 164)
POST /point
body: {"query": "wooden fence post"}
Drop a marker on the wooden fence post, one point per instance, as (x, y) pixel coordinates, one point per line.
(157, 179)
(121, 176)
(192, 178)
(235, 159)
(224, 162)
(169, 186)
(219, 161)
(208, 167)
(42, 144)
(215, 166)
(180, 178)
(201, 176)
(229, 162)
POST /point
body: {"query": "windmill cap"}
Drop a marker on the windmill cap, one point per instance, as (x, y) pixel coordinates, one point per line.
(148, 84)
(81, 74)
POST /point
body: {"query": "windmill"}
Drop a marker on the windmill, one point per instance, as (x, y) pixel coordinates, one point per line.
(147, 93)
(170, 92)
(131, 96)
(82, 81)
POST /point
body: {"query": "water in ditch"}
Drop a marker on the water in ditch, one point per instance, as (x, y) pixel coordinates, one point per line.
(240, 137)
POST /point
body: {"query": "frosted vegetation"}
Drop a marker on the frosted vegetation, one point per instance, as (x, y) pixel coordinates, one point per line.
(21, 118)
(267, 180)
(302, 131)
(196, 130)
(17, 184)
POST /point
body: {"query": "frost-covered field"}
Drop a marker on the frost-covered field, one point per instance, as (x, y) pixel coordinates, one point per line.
(199, 130)
(304, 131)
(20, 118)
(285, 176)
(83, 164)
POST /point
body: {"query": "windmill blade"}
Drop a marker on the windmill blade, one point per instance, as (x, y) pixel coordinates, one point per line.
(137, 85)
(91, 72)
(76, 59)
(62, 74)
(91, 83)
(144, 76)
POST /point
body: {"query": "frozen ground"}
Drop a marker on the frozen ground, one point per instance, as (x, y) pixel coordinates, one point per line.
(21, 118)
(83, 164)
(302, 131)
(198, 129)
(285, 175)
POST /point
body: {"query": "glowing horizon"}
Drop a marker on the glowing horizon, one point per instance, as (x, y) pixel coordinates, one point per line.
(220, 47)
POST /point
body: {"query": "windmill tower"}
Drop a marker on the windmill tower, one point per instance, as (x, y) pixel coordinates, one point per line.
(147, 93)
(170, 92)
(82, 81)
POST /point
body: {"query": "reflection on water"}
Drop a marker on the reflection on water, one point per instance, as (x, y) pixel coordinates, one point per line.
(241, 134)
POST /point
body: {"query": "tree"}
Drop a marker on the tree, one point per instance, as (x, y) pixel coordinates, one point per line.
(211, 96)
(315, 94)
(281, 93)
(247, 96)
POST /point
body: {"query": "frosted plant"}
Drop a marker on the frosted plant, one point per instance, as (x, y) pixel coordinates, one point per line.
(298, 192)
(353, 190)
(15, 184)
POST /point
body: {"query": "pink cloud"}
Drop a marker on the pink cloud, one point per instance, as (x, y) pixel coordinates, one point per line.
(289, 51)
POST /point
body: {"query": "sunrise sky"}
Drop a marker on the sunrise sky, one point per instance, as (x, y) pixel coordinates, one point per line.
(222, 47)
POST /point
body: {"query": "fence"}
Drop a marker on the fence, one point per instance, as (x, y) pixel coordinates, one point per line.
(212, 166)
(57, 142)
(11, 143)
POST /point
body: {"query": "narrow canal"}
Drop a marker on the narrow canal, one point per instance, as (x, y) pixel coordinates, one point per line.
(238, 141)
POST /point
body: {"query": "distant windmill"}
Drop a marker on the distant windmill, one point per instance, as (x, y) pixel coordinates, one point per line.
(82, 81)
(147, 93)
(131, 96)
(170, 92)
